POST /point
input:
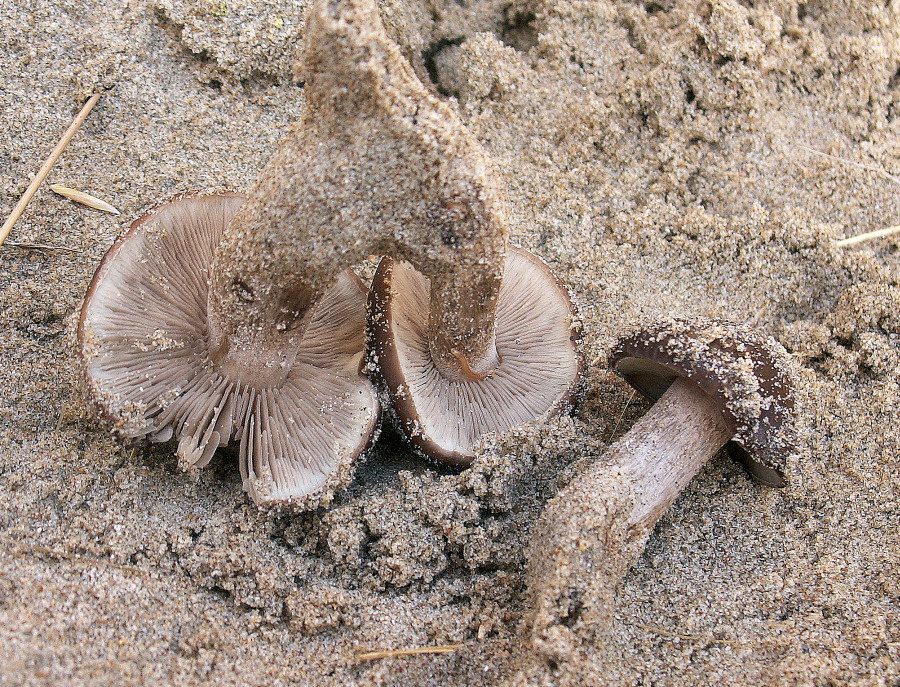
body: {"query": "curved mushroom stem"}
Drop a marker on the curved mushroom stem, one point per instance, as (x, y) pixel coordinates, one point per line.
(377, 165)
(593, 530)
(461, 331)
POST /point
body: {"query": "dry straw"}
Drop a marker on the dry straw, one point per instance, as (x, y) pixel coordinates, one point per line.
(869, 235)
(877, 234)
(389, 653)
(46, 167)
(83, 198)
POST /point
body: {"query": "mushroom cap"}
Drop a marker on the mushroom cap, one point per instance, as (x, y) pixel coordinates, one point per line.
(749, 375)
(144, 346)
(537, 338)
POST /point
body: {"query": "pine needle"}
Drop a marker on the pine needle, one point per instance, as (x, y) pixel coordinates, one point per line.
(375, 655)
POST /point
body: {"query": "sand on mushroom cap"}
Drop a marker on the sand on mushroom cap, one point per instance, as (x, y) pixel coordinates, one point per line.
(144, 344)
(757, 398)
(716, 381)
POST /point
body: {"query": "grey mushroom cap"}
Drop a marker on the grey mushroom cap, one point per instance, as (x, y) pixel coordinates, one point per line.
(539, 373)
(143, 339)
(749, 376)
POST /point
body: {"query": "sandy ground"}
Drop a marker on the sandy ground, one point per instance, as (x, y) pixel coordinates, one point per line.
(671, 157)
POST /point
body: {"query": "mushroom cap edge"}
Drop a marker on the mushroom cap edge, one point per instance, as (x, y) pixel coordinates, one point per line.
(747, 373)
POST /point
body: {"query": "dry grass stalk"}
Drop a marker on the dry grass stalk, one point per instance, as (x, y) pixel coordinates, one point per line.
(877, 234)
(45, 168)
(42, 246)
(441, 649)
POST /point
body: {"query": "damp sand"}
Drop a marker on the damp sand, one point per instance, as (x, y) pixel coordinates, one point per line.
(665, 158)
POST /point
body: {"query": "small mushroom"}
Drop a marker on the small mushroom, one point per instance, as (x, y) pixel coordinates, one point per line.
(537, 373)
(302, 415)
(713, 382)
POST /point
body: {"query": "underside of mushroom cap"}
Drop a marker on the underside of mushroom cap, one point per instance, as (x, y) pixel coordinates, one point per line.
(144, 343)
(540, 366)
(748, 374)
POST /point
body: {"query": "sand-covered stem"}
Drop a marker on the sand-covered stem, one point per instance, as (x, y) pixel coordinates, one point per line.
(376, 165)
(593, 530)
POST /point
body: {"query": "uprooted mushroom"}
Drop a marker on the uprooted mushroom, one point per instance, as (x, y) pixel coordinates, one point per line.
(445, 414)
(204, 321)
(158, 366)
(713, 383)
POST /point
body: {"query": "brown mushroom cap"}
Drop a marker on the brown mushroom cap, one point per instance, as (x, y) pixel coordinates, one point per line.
(746, 373)
(143, 338)
(540, 364)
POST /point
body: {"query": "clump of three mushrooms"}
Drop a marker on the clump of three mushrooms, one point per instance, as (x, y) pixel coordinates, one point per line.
(218, 316)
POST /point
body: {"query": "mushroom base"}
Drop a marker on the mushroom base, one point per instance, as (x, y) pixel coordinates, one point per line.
(258, 365)
(593, 530)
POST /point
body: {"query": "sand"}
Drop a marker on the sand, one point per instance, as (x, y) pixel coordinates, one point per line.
(665, 158)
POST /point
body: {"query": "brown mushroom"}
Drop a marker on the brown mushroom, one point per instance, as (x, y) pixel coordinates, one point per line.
(444, 416)
(756, 402)
(715, 382)
(301, 417)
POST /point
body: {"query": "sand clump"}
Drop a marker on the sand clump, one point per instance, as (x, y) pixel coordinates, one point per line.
(657, 156)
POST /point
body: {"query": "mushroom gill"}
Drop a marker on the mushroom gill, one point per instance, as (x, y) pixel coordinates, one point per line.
(144, 337)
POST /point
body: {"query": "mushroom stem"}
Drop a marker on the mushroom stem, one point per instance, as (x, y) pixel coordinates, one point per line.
(591, 533)
(663, 450)
(653, 462)
(376, 165)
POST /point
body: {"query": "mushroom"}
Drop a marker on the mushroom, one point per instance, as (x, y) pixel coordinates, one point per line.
(376, 165)
(379, 166)
(302, 415)
(713, 382)
(443, 416)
